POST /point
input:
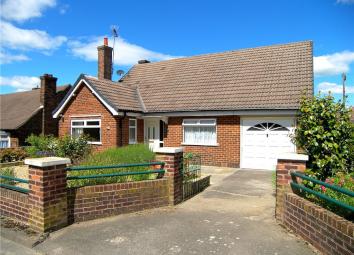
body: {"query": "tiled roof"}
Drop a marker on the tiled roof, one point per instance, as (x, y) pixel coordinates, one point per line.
(121, 96)
(272, 77)
(17, 108)
(269, 78)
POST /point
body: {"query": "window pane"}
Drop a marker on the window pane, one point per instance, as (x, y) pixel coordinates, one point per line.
(93, 134)
(210, 122)
(78, 123)
(132, 132)
(92, 123)
(4, 144)
(189, 122)
(76, 132)
(200, 135)
(132, 123)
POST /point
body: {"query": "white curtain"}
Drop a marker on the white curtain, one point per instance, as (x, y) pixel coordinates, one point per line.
(200, 135)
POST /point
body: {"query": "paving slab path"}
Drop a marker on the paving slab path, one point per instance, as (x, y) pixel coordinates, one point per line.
(235, 215)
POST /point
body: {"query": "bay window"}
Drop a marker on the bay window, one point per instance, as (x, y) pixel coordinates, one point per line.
(199, 132)
(89, 127)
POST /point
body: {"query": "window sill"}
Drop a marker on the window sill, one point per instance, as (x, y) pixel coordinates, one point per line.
(95, 143)
(194, 144)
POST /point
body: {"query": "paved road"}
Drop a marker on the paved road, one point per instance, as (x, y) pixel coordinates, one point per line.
(233, 216)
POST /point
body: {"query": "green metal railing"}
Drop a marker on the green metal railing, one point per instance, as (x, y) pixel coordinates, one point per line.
(12, 183)
(301, 187)
(160, 171)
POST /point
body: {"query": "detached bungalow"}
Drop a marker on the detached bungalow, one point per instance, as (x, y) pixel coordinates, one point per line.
(30, 112)
(234, 108)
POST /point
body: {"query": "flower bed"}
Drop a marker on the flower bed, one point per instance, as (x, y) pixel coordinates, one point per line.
(342, 180)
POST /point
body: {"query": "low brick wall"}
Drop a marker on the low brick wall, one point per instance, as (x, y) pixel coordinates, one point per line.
(91, 202)
(14, 204)
(328, 232)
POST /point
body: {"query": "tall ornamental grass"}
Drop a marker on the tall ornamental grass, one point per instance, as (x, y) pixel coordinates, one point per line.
(130, 154)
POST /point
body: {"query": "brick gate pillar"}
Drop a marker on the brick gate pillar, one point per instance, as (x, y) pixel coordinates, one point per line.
(173, 158)
(48, 194)
(287, 163)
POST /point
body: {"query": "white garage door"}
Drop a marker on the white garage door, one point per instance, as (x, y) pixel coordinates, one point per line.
(263, 139)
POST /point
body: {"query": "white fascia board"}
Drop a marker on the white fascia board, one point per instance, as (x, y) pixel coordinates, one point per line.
(134, 114)
(225, 113)
(110, 108)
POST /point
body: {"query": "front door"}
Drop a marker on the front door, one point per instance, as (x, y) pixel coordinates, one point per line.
(152, 132)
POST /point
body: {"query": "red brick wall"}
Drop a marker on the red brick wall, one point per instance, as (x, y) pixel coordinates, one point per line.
(328, 232)
(14, 204)
(99, 201)
(227, 153)
(85, 103)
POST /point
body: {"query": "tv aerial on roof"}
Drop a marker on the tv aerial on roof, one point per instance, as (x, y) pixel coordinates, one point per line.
(114, 31)
(120, 72)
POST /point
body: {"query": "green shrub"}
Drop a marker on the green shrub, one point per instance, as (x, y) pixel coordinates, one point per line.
(73, 148)
(40, 145)
(12, 155)
(325, 132)
(7, 172)
(139, 153)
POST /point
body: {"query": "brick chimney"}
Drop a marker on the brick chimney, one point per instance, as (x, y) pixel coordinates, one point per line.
(105, 60)
(49, 102)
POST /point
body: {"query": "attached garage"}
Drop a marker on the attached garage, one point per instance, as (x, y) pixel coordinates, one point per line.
(263, 139)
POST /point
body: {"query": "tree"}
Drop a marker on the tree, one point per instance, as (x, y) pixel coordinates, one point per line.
(325, 132)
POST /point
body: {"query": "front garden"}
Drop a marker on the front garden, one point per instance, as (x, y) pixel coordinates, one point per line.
(92, 168)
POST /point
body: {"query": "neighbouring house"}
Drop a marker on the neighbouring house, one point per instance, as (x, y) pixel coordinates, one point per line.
(235, 108)
(30, 112)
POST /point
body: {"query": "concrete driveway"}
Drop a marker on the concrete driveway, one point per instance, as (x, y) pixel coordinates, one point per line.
(233, 216)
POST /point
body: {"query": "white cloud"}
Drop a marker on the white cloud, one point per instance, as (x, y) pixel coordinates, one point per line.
(6, 58)
(20, 83)
(125, 54)
(24, 39)
(333, 64)
(21, 10)
(334, 88)
(345, 1)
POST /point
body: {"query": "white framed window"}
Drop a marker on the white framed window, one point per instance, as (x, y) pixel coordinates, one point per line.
(89, 127)
(199, 132)
(4, 139)
(132, 131)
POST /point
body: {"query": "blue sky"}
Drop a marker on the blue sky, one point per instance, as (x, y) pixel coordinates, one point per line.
(60, 36)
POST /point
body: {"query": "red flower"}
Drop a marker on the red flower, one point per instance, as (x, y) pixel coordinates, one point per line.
(323, 188)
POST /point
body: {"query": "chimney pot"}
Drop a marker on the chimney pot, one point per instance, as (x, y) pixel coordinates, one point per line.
(105, 41)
